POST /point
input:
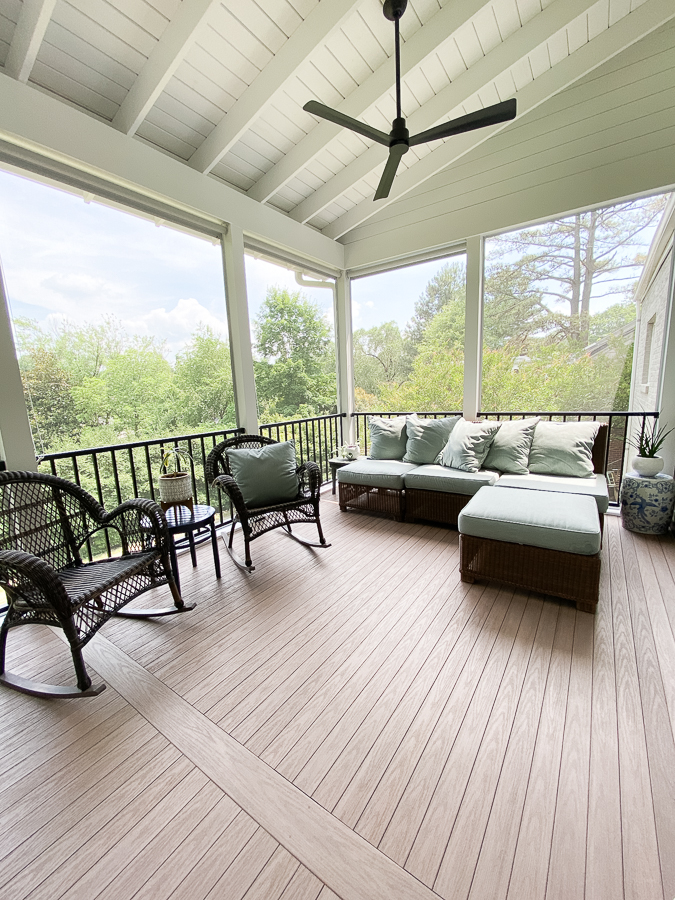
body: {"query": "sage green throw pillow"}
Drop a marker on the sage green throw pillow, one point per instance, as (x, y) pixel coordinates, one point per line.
(563, 448)
(426, 438)
(510, 449)
(468, 445)
(387, 437)
(265, 475)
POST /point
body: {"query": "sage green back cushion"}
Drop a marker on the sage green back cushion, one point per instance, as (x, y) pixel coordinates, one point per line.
(563, 448)
(387, 437)
(468, 445)
(265, 475)
(510, 449)
(426, 438)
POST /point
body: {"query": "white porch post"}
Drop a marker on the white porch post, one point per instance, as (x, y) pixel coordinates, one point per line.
(344, 350)
(473, 327)
(16, 441)
(239, 330)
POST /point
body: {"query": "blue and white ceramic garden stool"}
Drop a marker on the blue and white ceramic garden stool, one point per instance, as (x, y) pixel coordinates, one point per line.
(647, 503)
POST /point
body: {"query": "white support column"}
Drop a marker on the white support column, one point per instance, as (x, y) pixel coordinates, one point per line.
(666, 399)
(473, 327)
(344, 352)
(239, 330)
(16, 441)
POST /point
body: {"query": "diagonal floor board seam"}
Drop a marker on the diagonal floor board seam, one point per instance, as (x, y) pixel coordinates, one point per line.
(339, 857)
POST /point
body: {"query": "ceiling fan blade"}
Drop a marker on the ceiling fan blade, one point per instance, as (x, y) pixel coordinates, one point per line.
(387, 178)
(491, 115)
(325, 112)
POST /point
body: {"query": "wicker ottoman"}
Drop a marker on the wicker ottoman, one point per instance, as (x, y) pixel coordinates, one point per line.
(537, 540)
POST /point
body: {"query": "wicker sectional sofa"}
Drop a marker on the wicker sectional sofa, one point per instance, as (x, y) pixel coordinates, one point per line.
(437, 493)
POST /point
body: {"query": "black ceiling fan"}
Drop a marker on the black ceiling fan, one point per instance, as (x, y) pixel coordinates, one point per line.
(399, 140)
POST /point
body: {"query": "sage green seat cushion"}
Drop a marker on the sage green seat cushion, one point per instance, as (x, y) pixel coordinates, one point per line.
(566, 522)
(449, 481)
(265, 475)
(380, 473)
(595, 486)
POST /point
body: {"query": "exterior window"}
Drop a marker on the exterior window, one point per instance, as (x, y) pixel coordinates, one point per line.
(647, 357)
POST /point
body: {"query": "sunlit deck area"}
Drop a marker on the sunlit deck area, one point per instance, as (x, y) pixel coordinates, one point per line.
(355, 723)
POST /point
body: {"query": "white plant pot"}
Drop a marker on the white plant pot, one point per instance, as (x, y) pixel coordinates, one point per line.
(647, 466)
(175, 488)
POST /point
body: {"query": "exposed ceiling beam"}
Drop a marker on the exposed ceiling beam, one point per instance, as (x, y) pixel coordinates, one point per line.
(30, 29)
(316, 28)
(415, 50)
(627, 31)
(534, 33)
(169, 52)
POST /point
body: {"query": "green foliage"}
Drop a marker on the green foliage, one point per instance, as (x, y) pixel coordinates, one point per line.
(203, 382)
(379, 357)
(650, 439)
(295, 376)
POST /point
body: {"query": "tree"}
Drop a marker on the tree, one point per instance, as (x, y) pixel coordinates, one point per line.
(447, 286)
(569, 261)
(296, 374)
(203, 388)
(379, 357)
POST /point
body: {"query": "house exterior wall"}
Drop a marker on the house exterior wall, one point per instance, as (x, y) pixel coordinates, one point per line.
(648, 352)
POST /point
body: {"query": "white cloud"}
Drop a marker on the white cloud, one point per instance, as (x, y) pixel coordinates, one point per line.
(175, 326)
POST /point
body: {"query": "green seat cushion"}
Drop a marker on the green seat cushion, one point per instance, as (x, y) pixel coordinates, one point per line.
(595, 486)
(563, 448)
(566, 522)
(510, 449)
(388, 437)
(265, 475)
(468, 445)
(427, 437)
(449, 481)
(381, 473)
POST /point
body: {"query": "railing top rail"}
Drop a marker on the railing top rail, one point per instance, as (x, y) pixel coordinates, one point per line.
(632, 414)
(302, 421)
(68, 454)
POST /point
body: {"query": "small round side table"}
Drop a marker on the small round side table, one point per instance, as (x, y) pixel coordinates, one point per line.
(647, 503)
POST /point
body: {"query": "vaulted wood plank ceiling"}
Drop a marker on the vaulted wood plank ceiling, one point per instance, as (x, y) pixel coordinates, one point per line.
(220, 84)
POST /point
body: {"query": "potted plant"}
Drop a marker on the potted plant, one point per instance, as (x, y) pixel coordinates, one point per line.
(648, 443)
(175, 486)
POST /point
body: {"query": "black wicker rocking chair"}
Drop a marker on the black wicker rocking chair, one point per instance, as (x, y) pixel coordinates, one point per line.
(47, 525)
(255, 521)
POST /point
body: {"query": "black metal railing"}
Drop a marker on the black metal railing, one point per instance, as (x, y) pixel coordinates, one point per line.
(316, 439)
(117, 472)
(619, 433)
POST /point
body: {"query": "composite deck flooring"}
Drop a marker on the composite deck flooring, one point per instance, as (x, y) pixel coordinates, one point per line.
(354, 723)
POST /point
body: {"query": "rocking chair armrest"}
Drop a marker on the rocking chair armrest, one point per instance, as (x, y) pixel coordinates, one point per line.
(143, 521)
(229, 486)
(46, 589)
(309, 474)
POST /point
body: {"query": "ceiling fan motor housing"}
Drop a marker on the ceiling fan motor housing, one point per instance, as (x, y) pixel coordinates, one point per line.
(399, 134)
(394, 9)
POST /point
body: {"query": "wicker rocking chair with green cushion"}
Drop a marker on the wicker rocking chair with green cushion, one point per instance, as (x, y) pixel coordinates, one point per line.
(47, 526)
(266, 489)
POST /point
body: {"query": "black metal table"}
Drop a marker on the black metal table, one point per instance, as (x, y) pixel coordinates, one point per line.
(182, 520)
(335, 464)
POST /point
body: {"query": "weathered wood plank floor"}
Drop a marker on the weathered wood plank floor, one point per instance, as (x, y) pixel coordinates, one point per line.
(355, 723)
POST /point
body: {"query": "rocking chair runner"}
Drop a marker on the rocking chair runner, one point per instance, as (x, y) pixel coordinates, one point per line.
(45, 523)
(255, 521)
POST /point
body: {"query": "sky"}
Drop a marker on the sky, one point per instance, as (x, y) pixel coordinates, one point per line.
(64, 258)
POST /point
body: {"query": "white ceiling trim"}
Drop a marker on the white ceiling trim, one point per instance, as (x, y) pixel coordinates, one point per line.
(417, 48)
(617, 38)
(315, 29)
(28, 34)
(515, 48)
(177, 39)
